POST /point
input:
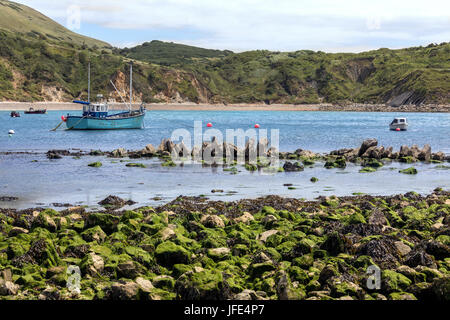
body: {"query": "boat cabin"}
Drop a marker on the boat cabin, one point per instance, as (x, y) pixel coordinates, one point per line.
(96, 110)
(399, 121)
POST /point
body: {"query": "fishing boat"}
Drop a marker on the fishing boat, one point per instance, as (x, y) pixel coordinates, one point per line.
(96, 116)
(33, 111)
(399, 124)
(15, 114)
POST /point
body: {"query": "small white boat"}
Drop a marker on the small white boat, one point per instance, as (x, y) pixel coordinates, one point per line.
(399, 124)
(11, 132)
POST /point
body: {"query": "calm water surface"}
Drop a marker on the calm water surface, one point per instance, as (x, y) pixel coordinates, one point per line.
(44, 182)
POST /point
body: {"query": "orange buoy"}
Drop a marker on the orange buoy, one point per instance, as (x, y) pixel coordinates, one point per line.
(256, 126)
(209, 125)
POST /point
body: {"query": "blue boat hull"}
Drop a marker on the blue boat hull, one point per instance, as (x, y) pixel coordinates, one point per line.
(89, 123)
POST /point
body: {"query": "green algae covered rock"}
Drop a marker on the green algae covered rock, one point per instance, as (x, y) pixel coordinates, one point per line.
(107, 222)
(367, 170)
(168, 254)
(411, 170)
(203, 285)
(94, 234)
(258, 269)
(394, 281)
(356, 218)
(95, 164)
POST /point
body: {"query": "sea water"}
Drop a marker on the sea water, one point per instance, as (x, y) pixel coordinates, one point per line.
(40, 182)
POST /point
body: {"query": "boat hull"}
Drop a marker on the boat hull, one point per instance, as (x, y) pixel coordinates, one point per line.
(83, 123)
(401, 126)
(36, 112)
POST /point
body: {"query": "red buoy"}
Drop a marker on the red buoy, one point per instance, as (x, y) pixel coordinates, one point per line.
(398, 129)
(209, 125)
(256, 126)
(63, 118)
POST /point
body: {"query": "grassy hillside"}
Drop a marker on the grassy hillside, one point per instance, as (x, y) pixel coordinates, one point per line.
(28, 22)
(37, 70)
(169, 53)
(420, 74)
(39, 65)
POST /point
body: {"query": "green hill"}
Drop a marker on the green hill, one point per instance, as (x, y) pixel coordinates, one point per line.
(23, 20)
(169, 53)
(50, 63)
(406, 76)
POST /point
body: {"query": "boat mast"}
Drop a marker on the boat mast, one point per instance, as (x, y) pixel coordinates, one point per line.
(89, 83)
(131, 84)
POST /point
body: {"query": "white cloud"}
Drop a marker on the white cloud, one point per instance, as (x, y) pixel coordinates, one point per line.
(271, 24)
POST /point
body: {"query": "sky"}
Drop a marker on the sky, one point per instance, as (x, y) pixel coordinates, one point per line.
(241, 25)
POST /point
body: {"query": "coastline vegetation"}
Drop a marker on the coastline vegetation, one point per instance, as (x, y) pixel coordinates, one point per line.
(39, 66)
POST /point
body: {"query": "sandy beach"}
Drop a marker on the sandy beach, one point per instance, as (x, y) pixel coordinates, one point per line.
(61, 106)
(56, 106)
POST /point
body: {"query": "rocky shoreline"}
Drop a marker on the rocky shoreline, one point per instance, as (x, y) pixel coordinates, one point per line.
(350, 107)
(270, 248)
(257, 155)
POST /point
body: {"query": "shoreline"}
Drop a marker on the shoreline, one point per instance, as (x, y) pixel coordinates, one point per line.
(268, 248)
(65, 106)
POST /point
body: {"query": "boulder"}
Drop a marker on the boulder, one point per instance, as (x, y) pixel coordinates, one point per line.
(107, 222)
(419, 258)
(169, 254)
(148, 151)
(166, 145)
(439, 156)
(123, 290)
(377, 217)
(402, 248)
(204, 285)
(246, 218)
(16, 231)
(415, 151)
(144, 284)
(425, 153)
(212, 221)
(366, 145)
(285, 289)
(248, 295)
(128, 270)
(50, 293)
(404, 151)
(387, 153)
(219, 253)
(119, 153)
(8, 288)
(92, 264)
(266, 234)
(292, 167)
(113, 201)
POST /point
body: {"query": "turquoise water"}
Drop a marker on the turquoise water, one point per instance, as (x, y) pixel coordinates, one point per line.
(38, 181)
(316, 131)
